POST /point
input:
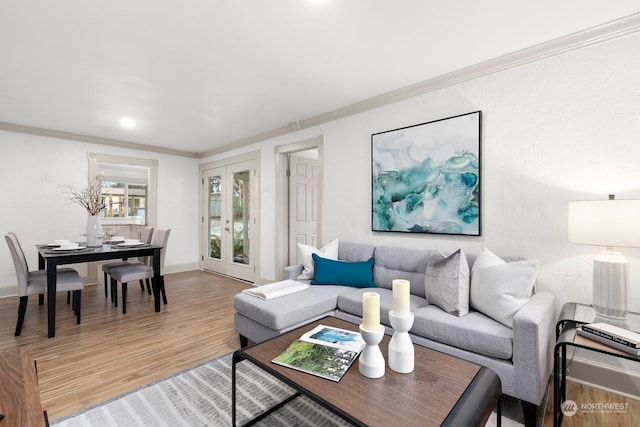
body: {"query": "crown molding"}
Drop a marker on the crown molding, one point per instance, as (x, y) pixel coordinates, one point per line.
(602, 33)
(248, 141)
(606, 32)
(31, 130)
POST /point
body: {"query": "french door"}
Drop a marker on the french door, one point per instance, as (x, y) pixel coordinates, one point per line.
(228, 220)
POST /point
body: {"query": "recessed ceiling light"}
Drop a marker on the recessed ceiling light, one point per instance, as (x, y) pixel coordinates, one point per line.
(128, 122)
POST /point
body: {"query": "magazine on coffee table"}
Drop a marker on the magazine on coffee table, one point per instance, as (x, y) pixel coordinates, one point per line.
(325, 351)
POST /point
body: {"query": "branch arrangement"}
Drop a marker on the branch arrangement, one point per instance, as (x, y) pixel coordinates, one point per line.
(89, 198)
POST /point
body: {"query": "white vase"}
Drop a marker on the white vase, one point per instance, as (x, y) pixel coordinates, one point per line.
(94, 231)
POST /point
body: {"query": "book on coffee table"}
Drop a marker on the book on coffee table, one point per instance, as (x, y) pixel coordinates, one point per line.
(325, 351)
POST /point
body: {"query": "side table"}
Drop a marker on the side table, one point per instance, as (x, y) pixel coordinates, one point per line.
(571, 317)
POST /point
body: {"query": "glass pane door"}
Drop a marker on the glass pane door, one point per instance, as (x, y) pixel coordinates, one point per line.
(215, 216)
(241, 186)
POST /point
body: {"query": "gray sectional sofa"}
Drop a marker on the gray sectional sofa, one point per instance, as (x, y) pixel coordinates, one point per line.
(521, 355)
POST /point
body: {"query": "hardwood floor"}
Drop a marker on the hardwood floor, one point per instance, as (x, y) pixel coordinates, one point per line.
(111, 353)
(624, 413)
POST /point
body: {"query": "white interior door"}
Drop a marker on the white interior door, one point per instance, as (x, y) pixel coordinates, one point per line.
(229, 220)
(303, 201)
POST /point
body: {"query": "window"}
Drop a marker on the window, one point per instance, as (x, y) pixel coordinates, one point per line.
(124, 191)
(123, 200)
(128, 188)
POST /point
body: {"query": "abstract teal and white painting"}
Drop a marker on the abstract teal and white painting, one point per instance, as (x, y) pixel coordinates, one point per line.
(426, 177)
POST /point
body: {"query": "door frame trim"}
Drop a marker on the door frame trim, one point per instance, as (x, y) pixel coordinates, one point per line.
(252, 156)
(282, 196)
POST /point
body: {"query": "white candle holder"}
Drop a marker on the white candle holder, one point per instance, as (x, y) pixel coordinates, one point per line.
(401, 351)
(371, 360)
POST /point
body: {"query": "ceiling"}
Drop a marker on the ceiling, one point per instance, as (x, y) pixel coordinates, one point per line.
(199, 75)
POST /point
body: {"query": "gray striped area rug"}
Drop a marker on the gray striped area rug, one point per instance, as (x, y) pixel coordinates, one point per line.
(201, 396)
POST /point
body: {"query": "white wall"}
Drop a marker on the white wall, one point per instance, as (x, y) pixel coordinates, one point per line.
(558, 130)
(562, 129)
(32, 169)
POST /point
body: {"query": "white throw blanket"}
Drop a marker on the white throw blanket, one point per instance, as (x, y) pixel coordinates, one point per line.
(277, 289)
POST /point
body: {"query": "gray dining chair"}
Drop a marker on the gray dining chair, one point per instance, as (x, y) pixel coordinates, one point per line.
(35, 282)
(60, 269)
(129, 273)
(145, 236)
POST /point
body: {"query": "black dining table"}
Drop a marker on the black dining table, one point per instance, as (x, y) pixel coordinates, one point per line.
(51, 257)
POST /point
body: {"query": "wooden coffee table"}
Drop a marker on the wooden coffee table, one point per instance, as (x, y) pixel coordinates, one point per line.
(441, 391)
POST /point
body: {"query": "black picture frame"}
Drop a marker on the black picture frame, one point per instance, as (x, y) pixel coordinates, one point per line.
(426, 178)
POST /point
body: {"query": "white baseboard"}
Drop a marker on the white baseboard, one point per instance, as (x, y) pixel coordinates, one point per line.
(179, 268)
(9, 291)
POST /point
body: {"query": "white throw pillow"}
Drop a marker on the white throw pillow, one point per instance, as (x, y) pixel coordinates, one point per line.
(499, 289)
(486, 259)
(330, 251)
(447, 282)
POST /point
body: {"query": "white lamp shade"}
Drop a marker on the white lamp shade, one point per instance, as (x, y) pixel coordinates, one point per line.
(605, 222)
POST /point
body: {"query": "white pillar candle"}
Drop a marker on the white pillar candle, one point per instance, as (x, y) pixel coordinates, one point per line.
(371, 311)
(401, 297)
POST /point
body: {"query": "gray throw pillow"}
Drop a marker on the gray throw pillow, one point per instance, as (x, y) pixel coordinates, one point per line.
(447, 282)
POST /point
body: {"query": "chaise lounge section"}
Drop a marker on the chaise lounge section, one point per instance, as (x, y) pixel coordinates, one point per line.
(520, 352)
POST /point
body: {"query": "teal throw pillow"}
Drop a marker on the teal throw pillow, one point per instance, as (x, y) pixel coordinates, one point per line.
(331, 272)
